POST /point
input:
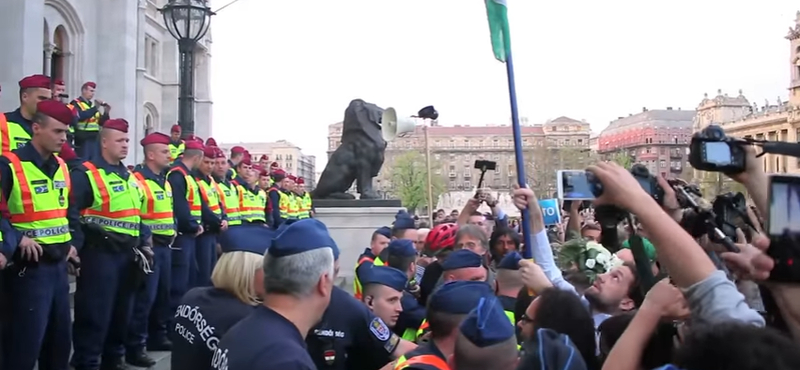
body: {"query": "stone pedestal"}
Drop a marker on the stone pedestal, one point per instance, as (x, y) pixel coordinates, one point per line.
(351, 224)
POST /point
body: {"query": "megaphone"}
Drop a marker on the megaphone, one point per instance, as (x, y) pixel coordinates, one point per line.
(393, 126)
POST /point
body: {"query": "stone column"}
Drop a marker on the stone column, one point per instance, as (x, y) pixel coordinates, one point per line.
(21, 25)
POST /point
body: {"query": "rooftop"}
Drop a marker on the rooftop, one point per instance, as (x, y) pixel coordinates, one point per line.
(658, 117)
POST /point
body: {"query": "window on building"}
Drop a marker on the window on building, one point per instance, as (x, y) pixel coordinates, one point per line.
(437, 156)
(452, 168)
(289, 157)
(151, 56)
(278, 157)
(148, 124)
(452, 184)
(467, 184)
(663, 163)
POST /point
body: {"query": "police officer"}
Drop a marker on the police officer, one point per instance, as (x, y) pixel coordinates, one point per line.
(252, 201)
(401, 254)
(187, 207)
(378, 242)
(237, 154)
(35, 184)
(206, 313)
(213, 218)
(383, 290)
(486, 339)
(272, 336)
(404, 226)
(151, 304)
(60, 94)
(15, 127)
(463, 264)
(279, 202)
(447, 308)
(226, 189)
(176, 145)
(508, 283)
(264, 180)
(89, 120)
(349, 336)
(107, 229)
(304, 198)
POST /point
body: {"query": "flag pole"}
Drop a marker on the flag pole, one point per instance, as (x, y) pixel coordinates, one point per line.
(520, 160)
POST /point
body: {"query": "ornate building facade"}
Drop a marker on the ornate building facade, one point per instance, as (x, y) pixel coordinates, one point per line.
(778, 120)
(454, 150)
(656, 138)
(288, 155)
(122, 45)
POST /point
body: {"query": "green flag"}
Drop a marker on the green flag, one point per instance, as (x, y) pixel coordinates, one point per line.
(497, 12)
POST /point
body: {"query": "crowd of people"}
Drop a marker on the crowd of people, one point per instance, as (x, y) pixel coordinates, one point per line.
(137, 238)
(187, 252)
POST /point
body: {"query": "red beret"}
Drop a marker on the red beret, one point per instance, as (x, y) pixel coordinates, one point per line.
(59, 82)
(118, 124)
(264, 157)
(194, 145)
(55, 110)
(175, 128)
(130, 167)
(89, 84)
(246, 160)
(210, 141)
(263, 172)
(237, 150)
(291, 177)
(35, 82)
(275, 164)
(155, 138)
(301, 181)
(67, 153)
(210, 152)
(219, 153)
(194, 138)
(279, 172)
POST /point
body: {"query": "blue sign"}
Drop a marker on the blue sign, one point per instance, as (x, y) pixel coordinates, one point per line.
(551, 211)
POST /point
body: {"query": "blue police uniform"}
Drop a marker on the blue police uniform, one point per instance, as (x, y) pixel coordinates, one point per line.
(453, 298)
(183, 248)
(551, 350)
(510, 262)
(461, 259)
(265, 338)
(206, 243)
(106, 284)
(86, 143)
(38, 292)
(413, 313)
(151, 314)
(205, 314)
(350, 336)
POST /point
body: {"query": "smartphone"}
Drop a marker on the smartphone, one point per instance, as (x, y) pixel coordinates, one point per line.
(573, 185)
(783, 227)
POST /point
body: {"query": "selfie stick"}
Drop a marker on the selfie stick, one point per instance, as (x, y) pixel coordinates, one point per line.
(501, 44)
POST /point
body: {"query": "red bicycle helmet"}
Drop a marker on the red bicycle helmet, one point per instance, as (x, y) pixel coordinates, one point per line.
(441, 237)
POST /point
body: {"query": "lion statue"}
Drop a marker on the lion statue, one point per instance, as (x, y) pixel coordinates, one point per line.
(360, 156)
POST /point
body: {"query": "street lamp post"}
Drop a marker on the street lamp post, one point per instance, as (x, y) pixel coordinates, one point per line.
(187, 21)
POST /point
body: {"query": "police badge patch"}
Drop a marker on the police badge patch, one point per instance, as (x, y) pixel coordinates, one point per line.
(379, 329)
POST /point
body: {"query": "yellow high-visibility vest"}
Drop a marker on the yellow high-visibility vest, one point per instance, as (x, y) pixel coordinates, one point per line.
(357, 289)
(157, 208)
(12, 135)
(37, 203)
(176, 150)
(117, 202)
(93, 123)
(229, 193)
(305, 205)
(211, 196)
(192, 192)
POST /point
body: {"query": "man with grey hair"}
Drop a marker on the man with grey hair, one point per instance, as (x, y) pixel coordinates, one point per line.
(474, 239)
(299, 271)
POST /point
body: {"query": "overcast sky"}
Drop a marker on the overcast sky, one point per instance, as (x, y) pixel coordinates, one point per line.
(288, 69)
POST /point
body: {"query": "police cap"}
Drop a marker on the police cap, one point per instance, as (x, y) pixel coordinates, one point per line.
(510, 261)
(253, 238)
(462, 258)
(385, 275)
(402, 248)
(385, 231)
(117, 124)
(55, 110)
(155, 138)
(487, 324)
(35, 82)
(302, 236)
(458, 297)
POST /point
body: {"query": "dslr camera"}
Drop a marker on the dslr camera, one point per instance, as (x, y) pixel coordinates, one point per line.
(710, 150)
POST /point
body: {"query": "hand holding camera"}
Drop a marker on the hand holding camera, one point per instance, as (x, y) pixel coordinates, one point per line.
(612, 184)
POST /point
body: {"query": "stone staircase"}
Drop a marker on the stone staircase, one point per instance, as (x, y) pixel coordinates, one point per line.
(162, 358)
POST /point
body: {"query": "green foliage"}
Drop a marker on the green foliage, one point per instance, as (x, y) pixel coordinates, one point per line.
(621, 158)
(409, 179)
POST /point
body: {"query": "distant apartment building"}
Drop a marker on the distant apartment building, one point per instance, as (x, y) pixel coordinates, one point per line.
(289, 156)
(658, 139)
(559, 143)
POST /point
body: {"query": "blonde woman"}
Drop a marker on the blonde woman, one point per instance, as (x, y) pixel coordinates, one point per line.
(206, 313)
